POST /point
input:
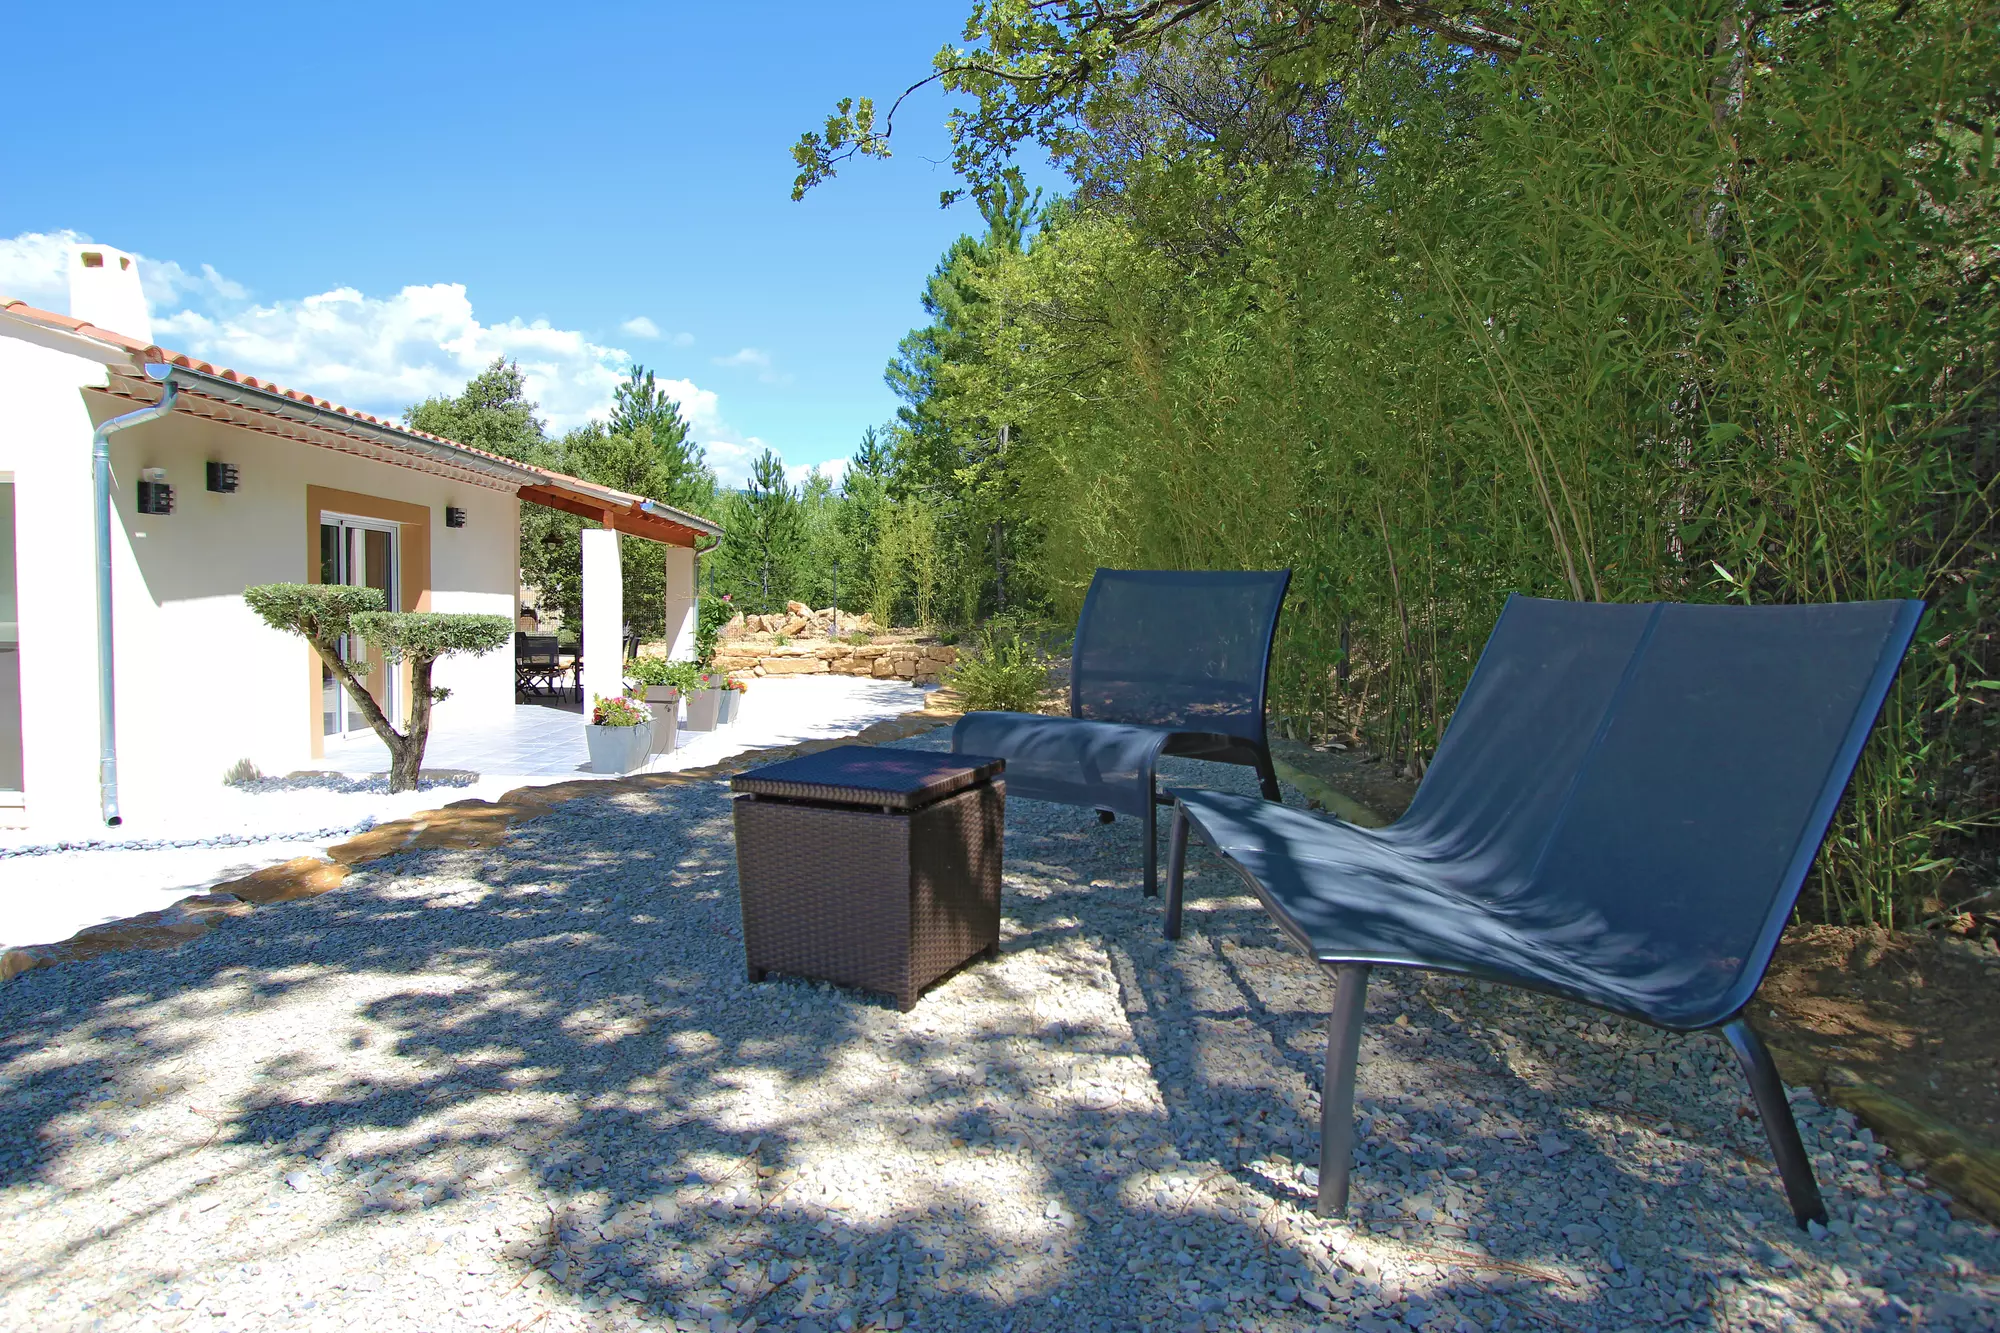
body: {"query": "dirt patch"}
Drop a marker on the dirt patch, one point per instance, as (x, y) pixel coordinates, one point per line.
(1374, 782)
(1916, 1015)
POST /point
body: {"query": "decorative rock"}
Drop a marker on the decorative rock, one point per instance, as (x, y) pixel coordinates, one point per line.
(300, 877)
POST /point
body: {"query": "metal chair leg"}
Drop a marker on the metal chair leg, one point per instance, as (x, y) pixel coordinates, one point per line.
(1177, 836)
(1336, 1098)
(1267, 776)
(1149, 830)
(1794, 1167)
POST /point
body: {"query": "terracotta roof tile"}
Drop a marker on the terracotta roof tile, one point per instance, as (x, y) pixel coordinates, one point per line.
(153, 352)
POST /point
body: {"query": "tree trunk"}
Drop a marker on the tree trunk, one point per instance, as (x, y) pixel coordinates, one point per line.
(406, 759)
(1725, 101)
(406, 753)
(1000, 564)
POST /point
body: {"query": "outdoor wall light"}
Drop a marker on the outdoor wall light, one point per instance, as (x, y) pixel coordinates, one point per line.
(155, 496)
(222, 478)
(454, 517)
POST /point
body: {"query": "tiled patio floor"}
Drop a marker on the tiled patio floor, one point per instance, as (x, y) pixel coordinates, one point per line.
(546, 741)
(178, 842)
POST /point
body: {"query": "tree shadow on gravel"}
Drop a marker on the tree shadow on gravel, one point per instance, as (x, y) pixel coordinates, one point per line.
(530, 1085)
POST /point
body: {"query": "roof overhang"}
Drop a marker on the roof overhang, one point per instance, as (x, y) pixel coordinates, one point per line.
(247, 403)
(231, 402)
(251, 406)
(621, 512)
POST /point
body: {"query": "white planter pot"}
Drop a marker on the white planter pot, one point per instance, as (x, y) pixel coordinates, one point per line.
(618, 749)
(665, 701)
(702, 708)
(732, 704)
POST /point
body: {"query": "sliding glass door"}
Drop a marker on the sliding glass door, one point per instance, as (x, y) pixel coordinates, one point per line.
(362, 553)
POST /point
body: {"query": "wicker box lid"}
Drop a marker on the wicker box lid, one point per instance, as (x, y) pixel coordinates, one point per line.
(869, 775)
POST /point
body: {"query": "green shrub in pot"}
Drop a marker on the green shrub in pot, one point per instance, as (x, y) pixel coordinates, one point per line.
(647, 672)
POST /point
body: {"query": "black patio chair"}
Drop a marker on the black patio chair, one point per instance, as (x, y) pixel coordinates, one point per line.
(1164, 662)
(538, 664)
(1621, 813)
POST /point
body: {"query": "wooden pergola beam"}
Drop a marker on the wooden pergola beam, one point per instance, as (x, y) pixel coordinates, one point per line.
(630, 520)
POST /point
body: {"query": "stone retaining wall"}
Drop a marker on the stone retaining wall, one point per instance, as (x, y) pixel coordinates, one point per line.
(917, 662)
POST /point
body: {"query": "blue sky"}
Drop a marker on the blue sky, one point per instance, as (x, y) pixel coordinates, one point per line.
(369, 201)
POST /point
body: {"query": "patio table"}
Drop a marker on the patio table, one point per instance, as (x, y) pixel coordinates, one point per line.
(870, 867)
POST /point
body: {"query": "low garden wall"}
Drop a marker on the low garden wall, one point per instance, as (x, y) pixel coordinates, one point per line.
(889, 655)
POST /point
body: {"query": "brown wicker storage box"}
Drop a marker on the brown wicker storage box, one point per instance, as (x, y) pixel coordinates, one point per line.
(870, 867)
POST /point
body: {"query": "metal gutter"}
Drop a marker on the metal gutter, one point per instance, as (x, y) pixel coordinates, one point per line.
(107, 696)
(680, 516)
(311, 414)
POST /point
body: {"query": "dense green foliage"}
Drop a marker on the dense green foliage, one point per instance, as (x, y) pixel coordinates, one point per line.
(414, 636)
(764, 549)
(492, 413)
(644, 448)
(712, 614)
(1691, 301)
(319, 613)
(1004, 670)
(646, 671)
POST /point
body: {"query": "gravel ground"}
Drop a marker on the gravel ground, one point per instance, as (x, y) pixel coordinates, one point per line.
(530, 1088)
(56, 880)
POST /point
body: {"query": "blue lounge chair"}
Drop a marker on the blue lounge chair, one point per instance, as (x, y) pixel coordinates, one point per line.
(1164, 662)
(1621, 813)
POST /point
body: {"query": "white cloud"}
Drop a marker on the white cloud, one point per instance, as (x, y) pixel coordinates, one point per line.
(832, 469)
(378, 354)
(34, 268)
(384, 353)
(731, 459)
(752, 358)
(639, 326)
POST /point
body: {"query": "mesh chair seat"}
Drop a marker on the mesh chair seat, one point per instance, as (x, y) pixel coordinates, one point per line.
(1164, 662)
(1068, 761)
(1353, 895)
(1622, 812)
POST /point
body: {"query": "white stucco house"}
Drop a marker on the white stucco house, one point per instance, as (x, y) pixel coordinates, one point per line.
(239, 482)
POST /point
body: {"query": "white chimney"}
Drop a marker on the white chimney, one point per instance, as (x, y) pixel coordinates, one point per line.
(104, 290)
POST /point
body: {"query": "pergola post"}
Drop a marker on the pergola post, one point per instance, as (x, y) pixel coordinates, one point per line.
(603, 617)
(681, 603)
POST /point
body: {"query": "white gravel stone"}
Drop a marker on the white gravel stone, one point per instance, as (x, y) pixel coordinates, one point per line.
(529, 1087)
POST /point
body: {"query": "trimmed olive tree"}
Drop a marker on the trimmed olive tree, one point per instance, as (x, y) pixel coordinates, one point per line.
(323, 614)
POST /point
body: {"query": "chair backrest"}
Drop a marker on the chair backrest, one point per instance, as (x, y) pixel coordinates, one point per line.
(1187, 649)
(537, 649)
(1659, 777)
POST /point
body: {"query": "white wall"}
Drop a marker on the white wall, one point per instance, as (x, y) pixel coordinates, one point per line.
(201, 682)
(45, 442)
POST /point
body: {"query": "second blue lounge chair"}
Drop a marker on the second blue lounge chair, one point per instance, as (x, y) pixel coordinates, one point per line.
(1621, 813)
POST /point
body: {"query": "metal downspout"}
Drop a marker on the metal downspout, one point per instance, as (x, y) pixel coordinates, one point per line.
(107, 701)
